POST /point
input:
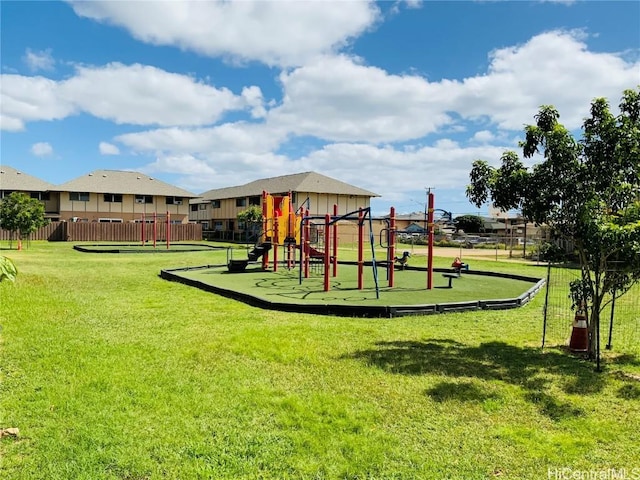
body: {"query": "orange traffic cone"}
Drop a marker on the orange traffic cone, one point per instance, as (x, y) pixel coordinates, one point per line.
(579, 342)
(19, 244)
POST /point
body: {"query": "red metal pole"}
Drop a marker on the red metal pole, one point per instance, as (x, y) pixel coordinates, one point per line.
(155, 228)
(142, 229)
(327, 248)
(360, 248)
(430, 248)
(335, 241)
(168, 230)
(306, 244)
(392, 244)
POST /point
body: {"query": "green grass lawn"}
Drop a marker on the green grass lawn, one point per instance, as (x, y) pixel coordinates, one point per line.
(110, 372)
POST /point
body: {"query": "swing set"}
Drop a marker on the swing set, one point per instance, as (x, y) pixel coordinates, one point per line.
(157, 220)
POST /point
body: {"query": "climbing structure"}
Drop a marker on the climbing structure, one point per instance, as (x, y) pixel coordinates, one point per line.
(280, 227)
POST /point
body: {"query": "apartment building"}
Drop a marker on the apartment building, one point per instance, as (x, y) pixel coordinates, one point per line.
(217, 209)
(108, 196)
(121, 196)
(12, 180)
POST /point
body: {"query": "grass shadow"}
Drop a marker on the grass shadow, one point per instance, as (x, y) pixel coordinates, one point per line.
(462, 392)
(526, 367)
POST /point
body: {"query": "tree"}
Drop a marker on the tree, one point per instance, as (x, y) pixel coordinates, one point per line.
(469, 223)
(252, 218)
(8, 269)
(21, 214)
(587, 191)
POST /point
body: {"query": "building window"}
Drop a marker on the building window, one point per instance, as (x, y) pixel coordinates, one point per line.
(241, 202)
(79, 196)
(205, 225)
(218, 225)
(44, 196)
(113, 198)
(215, 203)
(194, 207)
(110, 220)
(174, 200)
(144, 198)
(255, 201)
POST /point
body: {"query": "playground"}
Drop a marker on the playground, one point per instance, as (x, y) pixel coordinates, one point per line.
(281, 290)
(294, 265)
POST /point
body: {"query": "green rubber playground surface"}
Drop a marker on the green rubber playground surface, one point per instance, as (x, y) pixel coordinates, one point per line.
(409, 288)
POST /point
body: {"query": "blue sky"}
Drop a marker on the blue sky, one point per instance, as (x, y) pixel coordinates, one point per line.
(393, 97)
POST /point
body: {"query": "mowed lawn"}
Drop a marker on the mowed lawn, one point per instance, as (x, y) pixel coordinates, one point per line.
(110, 372)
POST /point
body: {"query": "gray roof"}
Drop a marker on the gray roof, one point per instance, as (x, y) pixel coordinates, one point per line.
(118, 181)
(310, 182)
(15, 180)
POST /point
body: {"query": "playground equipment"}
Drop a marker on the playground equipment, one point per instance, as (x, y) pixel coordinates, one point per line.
(402, 261)
(155, 220)
(309, 254)
(290, 228)
(279, 228)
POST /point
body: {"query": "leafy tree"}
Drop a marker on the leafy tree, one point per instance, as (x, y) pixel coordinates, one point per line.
(8, 269)
(469, 223)
(252, 218)
(21, 214)
(587, 191)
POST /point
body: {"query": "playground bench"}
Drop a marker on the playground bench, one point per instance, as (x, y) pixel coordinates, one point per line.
(450, 277)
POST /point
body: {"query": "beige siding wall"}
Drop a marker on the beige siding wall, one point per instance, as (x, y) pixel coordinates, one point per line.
(53, 204)
(127, 210)
(200, 215)
(320, 204)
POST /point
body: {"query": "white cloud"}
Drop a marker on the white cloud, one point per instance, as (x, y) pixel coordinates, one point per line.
(545, 70)
(386, 170)
(395, 173)
(253, 98)
(144, 95)
(42, 60)
(275, 33)
(108, 149)
(181, 164)
(25, 99)
(336, 98)
(134, 94)
(206, 171)
(483, 136)
(41, 149)
(229, 137)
